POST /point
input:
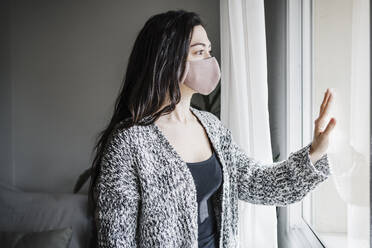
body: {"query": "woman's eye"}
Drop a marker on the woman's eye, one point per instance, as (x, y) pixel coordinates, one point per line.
(200, 52)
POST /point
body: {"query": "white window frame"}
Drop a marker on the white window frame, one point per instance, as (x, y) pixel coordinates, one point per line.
(299, 108)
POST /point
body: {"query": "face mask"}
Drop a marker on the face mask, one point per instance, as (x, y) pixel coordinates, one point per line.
(202, 75)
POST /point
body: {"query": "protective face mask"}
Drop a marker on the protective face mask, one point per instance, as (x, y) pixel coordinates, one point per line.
(202, 75)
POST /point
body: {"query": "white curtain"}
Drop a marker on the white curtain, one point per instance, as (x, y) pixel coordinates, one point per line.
(244, 105)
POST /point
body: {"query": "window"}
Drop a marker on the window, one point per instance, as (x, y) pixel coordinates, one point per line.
(328, 47)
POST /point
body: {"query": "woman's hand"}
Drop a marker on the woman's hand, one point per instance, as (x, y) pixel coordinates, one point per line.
(321, 138)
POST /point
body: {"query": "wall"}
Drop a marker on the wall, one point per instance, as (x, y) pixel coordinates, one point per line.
(67, 62)
(6, 163)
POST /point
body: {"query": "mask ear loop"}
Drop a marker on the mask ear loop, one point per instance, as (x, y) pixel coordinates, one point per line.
(185, 73)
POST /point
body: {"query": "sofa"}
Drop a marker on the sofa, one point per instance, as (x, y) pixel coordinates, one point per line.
(45, 219)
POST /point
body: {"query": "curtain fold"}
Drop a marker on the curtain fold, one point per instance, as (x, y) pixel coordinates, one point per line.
(244, 105)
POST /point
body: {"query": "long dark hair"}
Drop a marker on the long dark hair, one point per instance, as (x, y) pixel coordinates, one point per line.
(154, 69)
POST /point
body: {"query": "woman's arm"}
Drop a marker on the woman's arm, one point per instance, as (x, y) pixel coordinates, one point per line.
(280, 183)
(117, 195)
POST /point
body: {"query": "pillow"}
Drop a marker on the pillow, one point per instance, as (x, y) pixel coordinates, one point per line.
(57, 238)
(22, 211)
(7, 186)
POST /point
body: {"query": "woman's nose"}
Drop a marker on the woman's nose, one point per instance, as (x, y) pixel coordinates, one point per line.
(209, 56)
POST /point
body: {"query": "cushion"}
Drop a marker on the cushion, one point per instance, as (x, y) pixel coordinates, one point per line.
(57, 238)
(22, 211)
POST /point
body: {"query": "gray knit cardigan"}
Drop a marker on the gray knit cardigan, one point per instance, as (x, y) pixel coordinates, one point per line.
(146, 196)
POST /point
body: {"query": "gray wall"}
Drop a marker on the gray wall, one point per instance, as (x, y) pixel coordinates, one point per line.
(6, 164)
(66, 66)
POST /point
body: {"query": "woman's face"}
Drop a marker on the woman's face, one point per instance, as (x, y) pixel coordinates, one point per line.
(200, 48)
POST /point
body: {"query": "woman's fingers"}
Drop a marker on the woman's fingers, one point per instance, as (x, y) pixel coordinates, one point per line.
(319, 122)
(328, 105)
(317, 127)
(324, 111)
(330, 126)
(324, 102)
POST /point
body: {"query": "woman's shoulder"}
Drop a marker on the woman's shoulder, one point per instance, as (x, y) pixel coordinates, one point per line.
(136, 136)
(123, 137)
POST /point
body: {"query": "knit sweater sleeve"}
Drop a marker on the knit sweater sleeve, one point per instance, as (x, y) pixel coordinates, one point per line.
(279, 183)
(117, 195)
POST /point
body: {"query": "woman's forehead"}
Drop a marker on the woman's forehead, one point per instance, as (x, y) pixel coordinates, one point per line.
(199, 37)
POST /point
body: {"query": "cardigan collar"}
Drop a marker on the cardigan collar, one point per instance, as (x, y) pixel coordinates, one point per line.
(203, 120)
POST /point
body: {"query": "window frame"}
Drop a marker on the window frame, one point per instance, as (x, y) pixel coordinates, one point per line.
(295, 230)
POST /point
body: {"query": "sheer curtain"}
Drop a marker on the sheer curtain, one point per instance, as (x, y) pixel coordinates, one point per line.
(358, 208)
(244, 104)
(351, 143)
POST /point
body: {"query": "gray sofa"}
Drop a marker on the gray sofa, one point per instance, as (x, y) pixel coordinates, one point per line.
(37, 211)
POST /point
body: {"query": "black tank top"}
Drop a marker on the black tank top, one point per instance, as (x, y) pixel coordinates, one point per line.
(207, 175)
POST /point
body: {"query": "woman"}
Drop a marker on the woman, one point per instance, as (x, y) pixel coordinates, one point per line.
(169, 175)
